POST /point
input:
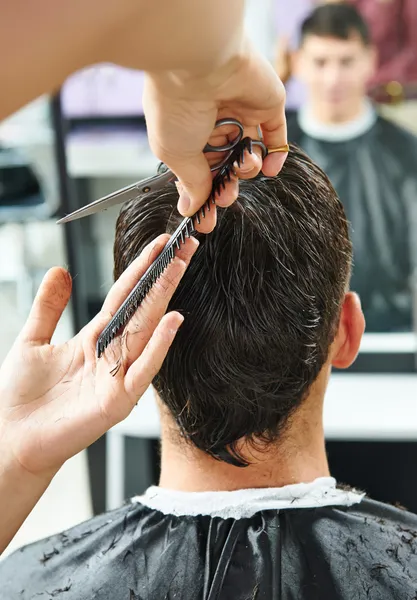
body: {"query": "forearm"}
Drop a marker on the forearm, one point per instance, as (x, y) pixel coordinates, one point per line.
(194, 35)
(43, 42)
(19, 493)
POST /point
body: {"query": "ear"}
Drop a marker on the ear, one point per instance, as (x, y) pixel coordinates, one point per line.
(346, 344)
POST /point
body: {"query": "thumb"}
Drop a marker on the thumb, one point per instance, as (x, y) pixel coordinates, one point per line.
(195, 176)
(48, 306)
(178, 129)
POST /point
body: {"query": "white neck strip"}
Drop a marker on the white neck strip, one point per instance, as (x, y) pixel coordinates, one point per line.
(342, 132)
(242, 504)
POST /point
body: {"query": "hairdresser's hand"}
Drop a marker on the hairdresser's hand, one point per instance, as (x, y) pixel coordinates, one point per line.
(57, 400)
(181, 112)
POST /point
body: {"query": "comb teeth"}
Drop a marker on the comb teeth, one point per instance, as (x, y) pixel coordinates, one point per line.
(183, 231)
(248, 144)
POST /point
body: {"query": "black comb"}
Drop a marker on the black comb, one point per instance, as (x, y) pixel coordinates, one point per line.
(184, 230)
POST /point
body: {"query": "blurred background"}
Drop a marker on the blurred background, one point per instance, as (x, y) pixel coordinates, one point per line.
(351, 80)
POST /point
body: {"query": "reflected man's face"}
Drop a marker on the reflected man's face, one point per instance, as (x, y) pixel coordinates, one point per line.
(336, 72)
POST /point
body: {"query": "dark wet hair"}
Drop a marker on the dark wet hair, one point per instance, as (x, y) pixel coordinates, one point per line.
(336, 20)
(261, 299)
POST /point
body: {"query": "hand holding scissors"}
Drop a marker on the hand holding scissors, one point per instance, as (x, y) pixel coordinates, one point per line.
(181, 112)
(222, 144)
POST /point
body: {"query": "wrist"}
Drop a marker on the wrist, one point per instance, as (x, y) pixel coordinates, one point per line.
(12, 473)
(20, 490)
(12, 469)
(17, 482)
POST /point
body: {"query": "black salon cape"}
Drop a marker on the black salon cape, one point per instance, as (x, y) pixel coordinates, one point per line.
(365, 551)
(375, 176)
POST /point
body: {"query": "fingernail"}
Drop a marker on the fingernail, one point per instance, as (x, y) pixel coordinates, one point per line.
(184, 203)
(246, 169)
(194, 242)
(181, 321)
(242, 169)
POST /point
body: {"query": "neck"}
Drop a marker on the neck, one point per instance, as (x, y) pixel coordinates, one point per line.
(354, 110)
(337, 132)
(299, 457)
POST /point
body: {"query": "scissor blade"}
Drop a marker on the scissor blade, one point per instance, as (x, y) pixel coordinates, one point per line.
(130, 192)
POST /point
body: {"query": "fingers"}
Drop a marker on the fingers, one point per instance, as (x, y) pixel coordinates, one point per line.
(274, 132)
(141, 327)
(195, 177)
(208, 221)
(273, 163)
(127, 281)
(249, 168)
(178, 130)
(143, 370)
(252, 164)
(48, 306)
(119, 292)
(229, 194)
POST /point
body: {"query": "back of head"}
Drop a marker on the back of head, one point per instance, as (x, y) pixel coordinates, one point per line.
(261, 300)
(339, 20)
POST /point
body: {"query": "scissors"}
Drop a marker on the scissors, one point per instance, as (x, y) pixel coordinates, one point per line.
(164, 176)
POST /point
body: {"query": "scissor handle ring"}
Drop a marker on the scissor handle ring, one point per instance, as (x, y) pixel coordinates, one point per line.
(230, 145)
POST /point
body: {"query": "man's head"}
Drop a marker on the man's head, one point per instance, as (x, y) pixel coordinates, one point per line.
(335, 60)
(264, 304)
